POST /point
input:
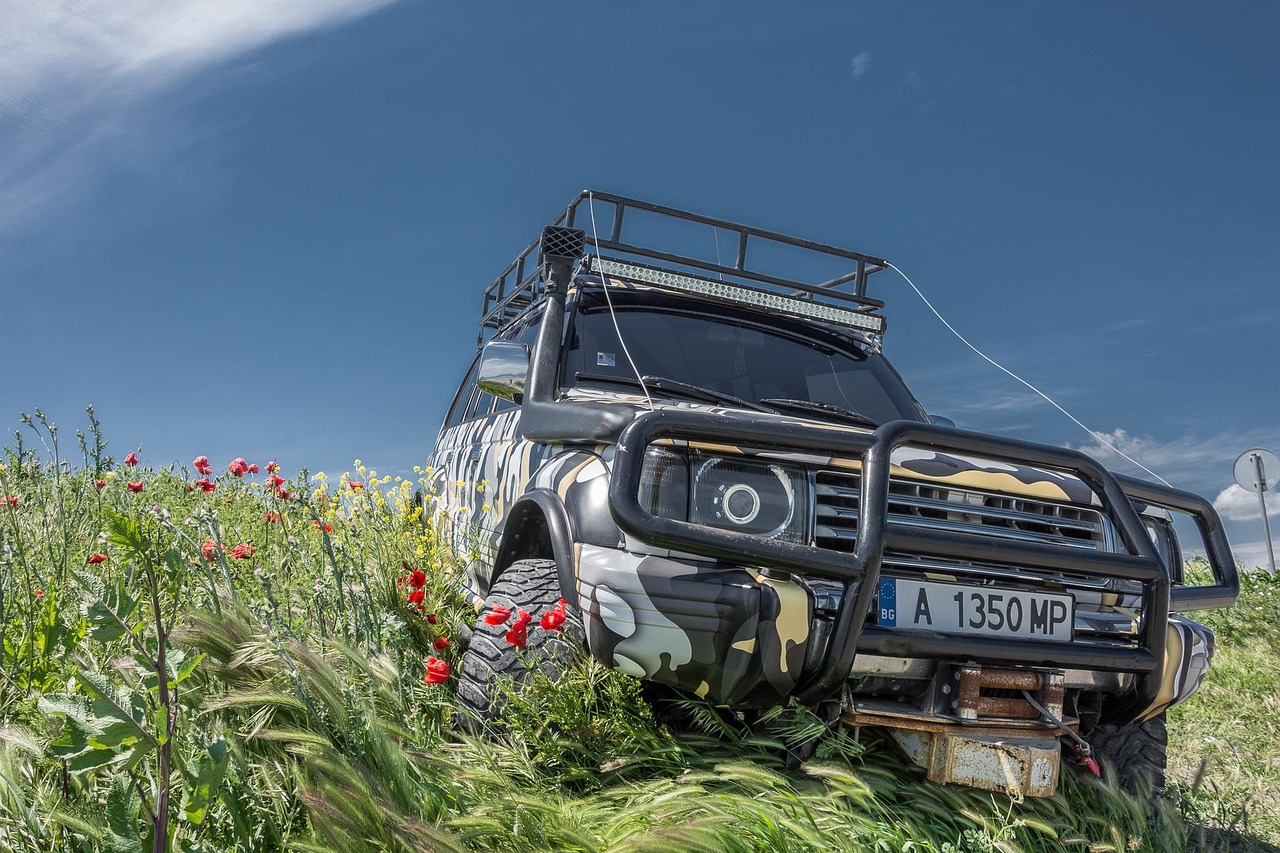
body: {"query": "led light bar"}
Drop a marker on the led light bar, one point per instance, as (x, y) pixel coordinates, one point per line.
(739, 293)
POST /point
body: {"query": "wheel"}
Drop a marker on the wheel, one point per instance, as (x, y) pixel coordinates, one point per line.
(1135, 755)
(533, 585)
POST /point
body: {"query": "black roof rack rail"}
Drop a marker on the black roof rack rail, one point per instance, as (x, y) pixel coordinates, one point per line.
(516, 288)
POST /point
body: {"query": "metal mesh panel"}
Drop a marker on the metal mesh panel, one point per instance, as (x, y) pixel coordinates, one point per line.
(562, 242)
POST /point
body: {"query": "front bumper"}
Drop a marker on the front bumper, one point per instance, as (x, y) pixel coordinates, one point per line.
(730, 601)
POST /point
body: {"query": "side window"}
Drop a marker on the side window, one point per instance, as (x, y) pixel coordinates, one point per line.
(461, 400)
(529, 334)
(481, 404)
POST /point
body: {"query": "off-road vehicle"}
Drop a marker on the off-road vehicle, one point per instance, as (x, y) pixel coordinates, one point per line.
(737, 496)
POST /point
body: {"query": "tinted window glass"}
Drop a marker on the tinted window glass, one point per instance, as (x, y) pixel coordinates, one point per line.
(733, 352)
(463, 397)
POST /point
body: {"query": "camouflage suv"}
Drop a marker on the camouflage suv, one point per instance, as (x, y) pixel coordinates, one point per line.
(737, 497)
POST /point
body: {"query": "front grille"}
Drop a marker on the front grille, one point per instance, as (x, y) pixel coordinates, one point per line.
(939, 507)
(1105, 607)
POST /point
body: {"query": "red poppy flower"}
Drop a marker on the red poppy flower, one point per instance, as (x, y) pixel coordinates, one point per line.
(39, 593)
(441, 643)
(238, 467)
(498, 615)
(272, 467)
(437, 671)
(553, 619)
(131, 460)
(206, 485)
(418, 579)
(417, 596)
(325, 527)
(274, 481)
(356, 485)
(271, 517)
(243, 551)
(136, 485)
(282, 494)
(209, 550)
(518, 635)
(431, 618)
(253, 469)
(11, 500)
(95, 559)
(202, 466)
(101, 484)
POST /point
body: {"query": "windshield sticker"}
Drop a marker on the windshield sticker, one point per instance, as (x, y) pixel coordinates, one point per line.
(606, 359)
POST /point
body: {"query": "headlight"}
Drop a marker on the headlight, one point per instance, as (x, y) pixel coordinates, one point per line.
(729, 493)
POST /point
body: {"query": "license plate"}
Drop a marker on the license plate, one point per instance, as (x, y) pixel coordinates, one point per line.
(987, 611)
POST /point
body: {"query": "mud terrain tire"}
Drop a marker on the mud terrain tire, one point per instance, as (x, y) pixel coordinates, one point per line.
(1135, 755)
(489, 659)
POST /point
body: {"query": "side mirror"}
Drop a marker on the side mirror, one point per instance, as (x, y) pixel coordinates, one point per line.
(941, 421)
(504, 367)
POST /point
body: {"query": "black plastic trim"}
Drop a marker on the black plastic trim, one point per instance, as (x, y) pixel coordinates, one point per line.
(559, 531)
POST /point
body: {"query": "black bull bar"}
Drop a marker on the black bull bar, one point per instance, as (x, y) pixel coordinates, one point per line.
(860, 571)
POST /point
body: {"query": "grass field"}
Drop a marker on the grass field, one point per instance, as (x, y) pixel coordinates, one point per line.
(230, 657)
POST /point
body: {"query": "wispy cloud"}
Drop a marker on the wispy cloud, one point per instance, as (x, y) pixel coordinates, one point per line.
(1199, 463)
(859, 64)
(76, 74)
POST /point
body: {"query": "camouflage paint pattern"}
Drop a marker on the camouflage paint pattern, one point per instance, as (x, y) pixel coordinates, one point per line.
(724, 632)
(1187, 655)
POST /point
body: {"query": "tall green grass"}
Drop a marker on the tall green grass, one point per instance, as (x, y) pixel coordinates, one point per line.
(178, 696)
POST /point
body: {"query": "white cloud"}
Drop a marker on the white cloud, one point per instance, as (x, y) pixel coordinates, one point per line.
(858, 65)
(52, 48)
(1236, 504)
(76, 76)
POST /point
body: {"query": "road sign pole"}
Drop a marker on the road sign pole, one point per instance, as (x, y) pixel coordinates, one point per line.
(1261, 485)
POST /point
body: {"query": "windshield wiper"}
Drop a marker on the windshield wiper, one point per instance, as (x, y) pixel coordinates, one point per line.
(814, 407)
(662, 383)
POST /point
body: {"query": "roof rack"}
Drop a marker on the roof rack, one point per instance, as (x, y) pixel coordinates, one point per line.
(517, 287)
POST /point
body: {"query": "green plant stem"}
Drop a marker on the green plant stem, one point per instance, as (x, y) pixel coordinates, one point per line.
(160, 838)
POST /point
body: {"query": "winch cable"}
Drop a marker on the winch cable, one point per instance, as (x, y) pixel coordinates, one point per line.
(1084, 752)
(1095, 436)
(604, 284)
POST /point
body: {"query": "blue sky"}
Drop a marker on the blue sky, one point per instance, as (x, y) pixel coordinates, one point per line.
(259, 228)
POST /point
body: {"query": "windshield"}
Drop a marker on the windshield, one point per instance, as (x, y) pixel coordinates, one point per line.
(729, 351)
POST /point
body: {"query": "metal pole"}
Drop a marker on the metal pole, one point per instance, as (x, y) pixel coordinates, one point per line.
(1261, 483)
